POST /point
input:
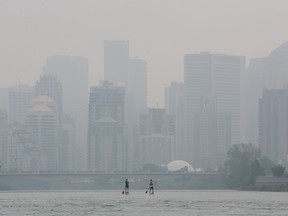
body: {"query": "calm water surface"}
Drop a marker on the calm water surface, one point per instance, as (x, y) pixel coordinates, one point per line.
(166, 203)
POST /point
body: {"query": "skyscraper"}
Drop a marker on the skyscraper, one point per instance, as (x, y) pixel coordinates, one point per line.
(3, 125)
(107, 128)
(136, 103)
(212, 75)
(273, 125)
(116, 61)
(270, 73)
(19, 151)
(20, 98)
(4, 98)
(72, 72)
(157, 137)
(42, 120)
(50, 86)
(119, 68)
(212, 133)
(174, 104)
(68, 150)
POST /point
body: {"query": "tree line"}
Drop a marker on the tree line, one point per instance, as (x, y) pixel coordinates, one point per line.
(245, 163)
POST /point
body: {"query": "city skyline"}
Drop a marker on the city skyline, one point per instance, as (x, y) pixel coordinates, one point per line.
(213, 77)
(161, 32)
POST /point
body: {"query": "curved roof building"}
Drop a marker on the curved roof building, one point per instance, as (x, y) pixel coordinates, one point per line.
(281, 51)
(179, 165)
(43, 99)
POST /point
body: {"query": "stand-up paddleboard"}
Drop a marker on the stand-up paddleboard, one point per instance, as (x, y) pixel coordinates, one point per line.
(149, 192)
(125, 192)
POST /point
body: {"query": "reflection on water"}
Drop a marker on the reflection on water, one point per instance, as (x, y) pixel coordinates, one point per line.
(138, 203)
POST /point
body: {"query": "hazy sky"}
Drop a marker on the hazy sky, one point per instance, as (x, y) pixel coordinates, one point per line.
(159, 31)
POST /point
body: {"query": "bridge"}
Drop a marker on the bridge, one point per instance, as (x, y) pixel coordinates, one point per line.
(100, 180)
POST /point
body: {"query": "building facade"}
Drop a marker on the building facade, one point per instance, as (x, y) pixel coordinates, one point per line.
(107, 147)
(20, 154)
(273, 125)
(212, 75)
(42, 120)
(20, 98)
(116, 61)
(212, 133)
(264, 73)
(120, 68)
(3, 125)
(175, 104)
(156, 137)
(72, 72)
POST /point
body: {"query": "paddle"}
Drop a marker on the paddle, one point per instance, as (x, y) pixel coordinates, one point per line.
(147, 190)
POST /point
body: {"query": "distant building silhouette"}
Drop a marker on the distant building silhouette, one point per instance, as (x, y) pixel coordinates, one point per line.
(3, 118)
(157, 137)
(42, 120)
(72, 72)
(20, 155)
(20, 98)
(4, 98)
(212, 133)
(116, 61)
(270, 73)
(50, 86)
(174, 104)
(67, 149)
(211, 75)
(3, 125)
(273, 125)
(119, 68)
(107, 129)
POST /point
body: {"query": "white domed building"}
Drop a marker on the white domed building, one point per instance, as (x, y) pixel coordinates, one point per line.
(179, 166)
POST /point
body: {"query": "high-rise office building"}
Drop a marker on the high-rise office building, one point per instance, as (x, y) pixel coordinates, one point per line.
(157, 137)
(3, 125)
(72, 72)
(107, 128)
(116, 61)
(68, 150)
(212, 133)
(212, 75)
(20, 98)
(273, 125)
(3, 118)
(4, 98)
(174, 104)
(50, 86)
(136, 103)
(270, 73)
(42, 120)
(137, 85)
(20, 154)
(119, 68)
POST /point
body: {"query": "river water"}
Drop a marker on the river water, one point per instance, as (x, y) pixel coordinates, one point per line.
(166, 203)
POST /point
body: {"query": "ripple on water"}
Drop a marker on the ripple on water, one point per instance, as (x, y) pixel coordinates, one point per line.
(166, 203)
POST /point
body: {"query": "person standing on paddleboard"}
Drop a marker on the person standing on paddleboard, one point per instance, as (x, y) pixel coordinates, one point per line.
(151, 187)
(126, 188)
